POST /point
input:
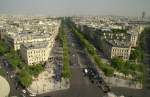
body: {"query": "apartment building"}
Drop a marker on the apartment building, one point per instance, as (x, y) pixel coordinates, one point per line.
(116, 45)
(16, 39)
(114, 48)
(2, 32)
(35, 53)
(20, 32)
(33, 36)
(134, 38)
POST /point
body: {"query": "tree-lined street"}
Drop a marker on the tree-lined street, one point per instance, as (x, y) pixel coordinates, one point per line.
(80, 86)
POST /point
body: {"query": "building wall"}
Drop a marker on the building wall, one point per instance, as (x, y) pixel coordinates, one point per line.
(112, 51)
(2, 33)
(52, 30)
(124, 53)
(15, 43)
(37, 55)
(106, 48)
(34, 56)
(134, 39)
(27, 40)
(23, 53)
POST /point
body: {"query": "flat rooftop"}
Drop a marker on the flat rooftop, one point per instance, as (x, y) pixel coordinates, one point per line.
(33, 35)
(117, 39)
(117, 43)
(36, 45)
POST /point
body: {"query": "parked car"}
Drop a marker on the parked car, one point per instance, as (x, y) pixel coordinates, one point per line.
(12, 75)
(32, 94)
(85, 71)
(57, 77)
(24, 91)
(6, 63)
(105, 88)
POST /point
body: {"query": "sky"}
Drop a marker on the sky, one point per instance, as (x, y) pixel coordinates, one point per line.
(75, 7)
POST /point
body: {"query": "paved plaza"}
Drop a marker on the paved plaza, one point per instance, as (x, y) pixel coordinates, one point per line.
(46, 83)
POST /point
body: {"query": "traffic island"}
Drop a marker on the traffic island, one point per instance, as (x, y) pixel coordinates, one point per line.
(4, 87)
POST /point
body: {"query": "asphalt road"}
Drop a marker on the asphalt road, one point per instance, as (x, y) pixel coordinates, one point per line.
(131, 92)
(80, 85)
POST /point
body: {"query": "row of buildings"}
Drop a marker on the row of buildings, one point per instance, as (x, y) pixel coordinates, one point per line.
(116, 45)
(33, 37)
(114, 36)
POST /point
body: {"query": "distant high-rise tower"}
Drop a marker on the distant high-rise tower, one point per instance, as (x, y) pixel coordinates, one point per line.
(143, 14)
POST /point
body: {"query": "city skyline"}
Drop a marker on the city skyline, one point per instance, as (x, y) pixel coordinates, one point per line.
(75, 7)
(74, 48)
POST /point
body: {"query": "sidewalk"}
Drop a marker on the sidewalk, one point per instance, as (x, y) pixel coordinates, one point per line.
(112, 81)
(45, 83)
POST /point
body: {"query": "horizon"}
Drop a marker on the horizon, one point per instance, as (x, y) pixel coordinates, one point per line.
(75, 8)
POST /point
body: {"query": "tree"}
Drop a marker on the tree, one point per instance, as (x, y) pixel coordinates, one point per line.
(125, 72)
(66, 69)
(25, 78)
(117, 63)
(14, 59)
(108, 71)
(3, 47)
(90, 48)
(136, 55)
(35, 70)
(2, 71)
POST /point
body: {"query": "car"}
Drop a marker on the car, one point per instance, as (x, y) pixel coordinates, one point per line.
(57, 77)
(72, 45)
(98, 85)
(73, 55)
(12, 76)
(105, 88)
(24, 91)
(17, 88)
(6, 63)
(85, 71)
(32, 94)
(92, 81)
(100, 81)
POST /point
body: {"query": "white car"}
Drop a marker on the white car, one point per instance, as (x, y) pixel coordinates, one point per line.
(12, 76)
(24, 91)
(85, 71)
(32, 94)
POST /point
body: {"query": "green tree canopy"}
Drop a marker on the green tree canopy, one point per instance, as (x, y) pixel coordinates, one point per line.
(117, 63)
(25, 78)
(35, 70)
(135, 54)
(3, 47)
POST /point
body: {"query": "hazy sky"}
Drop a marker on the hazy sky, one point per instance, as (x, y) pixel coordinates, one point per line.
(75, 7)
